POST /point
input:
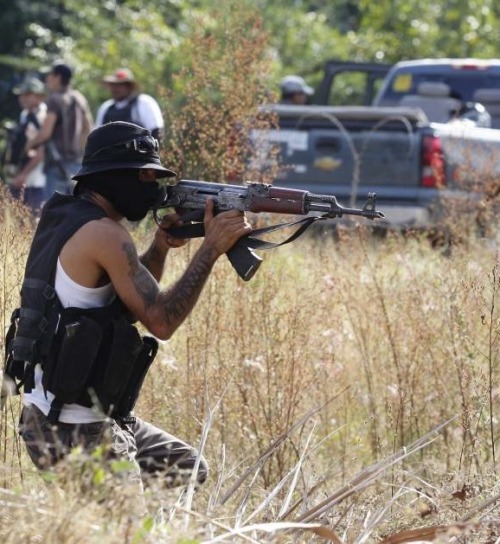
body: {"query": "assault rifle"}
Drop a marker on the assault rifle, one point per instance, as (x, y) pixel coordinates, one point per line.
(190, 198)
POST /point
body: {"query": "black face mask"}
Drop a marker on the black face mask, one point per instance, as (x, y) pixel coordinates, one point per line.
(130, 197)
(136, 198)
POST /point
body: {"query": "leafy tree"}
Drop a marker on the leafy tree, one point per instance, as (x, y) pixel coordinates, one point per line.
(98, 37)
(110, 35)
(221, 88)
(398, 29)
(29, 32)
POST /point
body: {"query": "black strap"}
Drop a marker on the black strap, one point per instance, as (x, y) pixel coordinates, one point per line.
(33, 283)
(33, 119)
(11, 333)
(30, 313)
(55, 411)
(241, 255)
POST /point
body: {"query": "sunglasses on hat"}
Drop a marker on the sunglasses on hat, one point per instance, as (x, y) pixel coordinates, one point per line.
(142, 144)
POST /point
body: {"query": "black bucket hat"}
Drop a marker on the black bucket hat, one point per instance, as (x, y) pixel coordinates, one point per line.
(118, 146)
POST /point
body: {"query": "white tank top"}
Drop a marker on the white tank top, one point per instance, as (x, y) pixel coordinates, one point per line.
(71, 294)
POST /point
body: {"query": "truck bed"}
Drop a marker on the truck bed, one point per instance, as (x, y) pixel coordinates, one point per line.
(350, 151)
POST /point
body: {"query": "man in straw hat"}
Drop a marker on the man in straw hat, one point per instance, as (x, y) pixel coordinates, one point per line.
(129, 105)
(72, 345)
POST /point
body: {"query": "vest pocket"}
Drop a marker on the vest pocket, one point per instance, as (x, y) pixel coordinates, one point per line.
(131, 392)
(77, 354)
(129, 359)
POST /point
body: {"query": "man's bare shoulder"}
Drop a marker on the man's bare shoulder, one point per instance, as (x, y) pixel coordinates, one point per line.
(101, 236)
(104, 225)
(97, 248)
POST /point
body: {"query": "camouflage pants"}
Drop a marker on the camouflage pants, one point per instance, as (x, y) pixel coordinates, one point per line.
(151, 451)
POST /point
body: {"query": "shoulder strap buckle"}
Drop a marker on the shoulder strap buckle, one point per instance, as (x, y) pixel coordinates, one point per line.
(49, 292)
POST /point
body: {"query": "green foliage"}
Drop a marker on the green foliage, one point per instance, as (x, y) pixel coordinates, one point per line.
(151, 38)
(399, 29)
(143, 531)
(29, 31)
(110, 35)
(221, 89)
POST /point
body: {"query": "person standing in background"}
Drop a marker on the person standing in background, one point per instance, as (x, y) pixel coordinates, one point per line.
(129, 105)
(64, 131)
(28, 179)
(295, 91)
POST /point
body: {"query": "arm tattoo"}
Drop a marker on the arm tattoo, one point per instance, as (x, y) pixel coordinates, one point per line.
(154, 261)
(143, 283)
(181, 299)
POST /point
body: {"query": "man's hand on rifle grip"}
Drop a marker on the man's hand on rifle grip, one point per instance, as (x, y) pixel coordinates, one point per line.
(223, 230)
(163, 240)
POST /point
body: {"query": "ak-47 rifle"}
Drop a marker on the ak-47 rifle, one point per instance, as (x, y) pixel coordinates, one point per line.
(257, 198)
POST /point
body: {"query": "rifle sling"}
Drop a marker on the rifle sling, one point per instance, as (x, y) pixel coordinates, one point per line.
(241, 255)
(251, 241)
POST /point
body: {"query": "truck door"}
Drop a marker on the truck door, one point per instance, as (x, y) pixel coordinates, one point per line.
(350, 83)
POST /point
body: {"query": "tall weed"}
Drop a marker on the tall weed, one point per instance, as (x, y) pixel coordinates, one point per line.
(351, 385)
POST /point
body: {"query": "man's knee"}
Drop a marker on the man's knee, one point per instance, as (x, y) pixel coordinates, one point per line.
(179, 473)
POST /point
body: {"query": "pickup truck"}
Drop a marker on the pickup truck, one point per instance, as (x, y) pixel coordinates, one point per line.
(417, 167)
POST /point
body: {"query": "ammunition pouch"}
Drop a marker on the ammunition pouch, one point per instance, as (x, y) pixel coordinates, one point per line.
(100, 364)
(66, 374)
(30, 338)
(88, 357)
(129, 359)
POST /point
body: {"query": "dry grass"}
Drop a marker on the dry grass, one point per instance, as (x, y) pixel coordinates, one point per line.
(348, 392)
(309, 386)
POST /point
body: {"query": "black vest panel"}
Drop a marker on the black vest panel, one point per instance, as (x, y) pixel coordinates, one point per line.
(119, 114)
(62, 216)
(87, 355)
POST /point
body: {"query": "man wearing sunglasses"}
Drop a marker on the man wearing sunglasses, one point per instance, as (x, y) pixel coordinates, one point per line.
(73, 344)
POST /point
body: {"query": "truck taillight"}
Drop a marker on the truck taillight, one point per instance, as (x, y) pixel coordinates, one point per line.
(433, 164)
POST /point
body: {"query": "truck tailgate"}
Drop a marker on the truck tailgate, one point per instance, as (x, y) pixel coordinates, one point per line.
(348, 152)
(472, 154)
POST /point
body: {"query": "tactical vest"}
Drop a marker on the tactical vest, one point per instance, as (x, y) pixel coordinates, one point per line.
(15, 153)
(120, 114)
(88, 356)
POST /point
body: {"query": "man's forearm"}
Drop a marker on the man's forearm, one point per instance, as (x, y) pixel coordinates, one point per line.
(165, 310)
(180, 299)
(154, 260)
(37, 141)
(46, 131)
(29, 167)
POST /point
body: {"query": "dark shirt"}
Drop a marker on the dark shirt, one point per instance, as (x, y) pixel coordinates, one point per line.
(72, 123)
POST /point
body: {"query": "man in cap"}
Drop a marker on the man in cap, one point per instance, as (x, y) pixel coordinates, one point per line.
(294, 90)
(28, 178)
(64, 130)
(84, 286)
(127, 104)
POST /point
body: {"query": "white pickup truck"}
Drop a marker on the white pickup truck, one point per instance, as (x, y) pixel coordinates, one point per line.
(412, 147)
(441, 87)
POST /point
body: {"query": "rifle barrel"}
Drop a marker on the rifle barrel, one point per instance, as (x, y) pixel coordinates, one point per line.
(329, 205)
